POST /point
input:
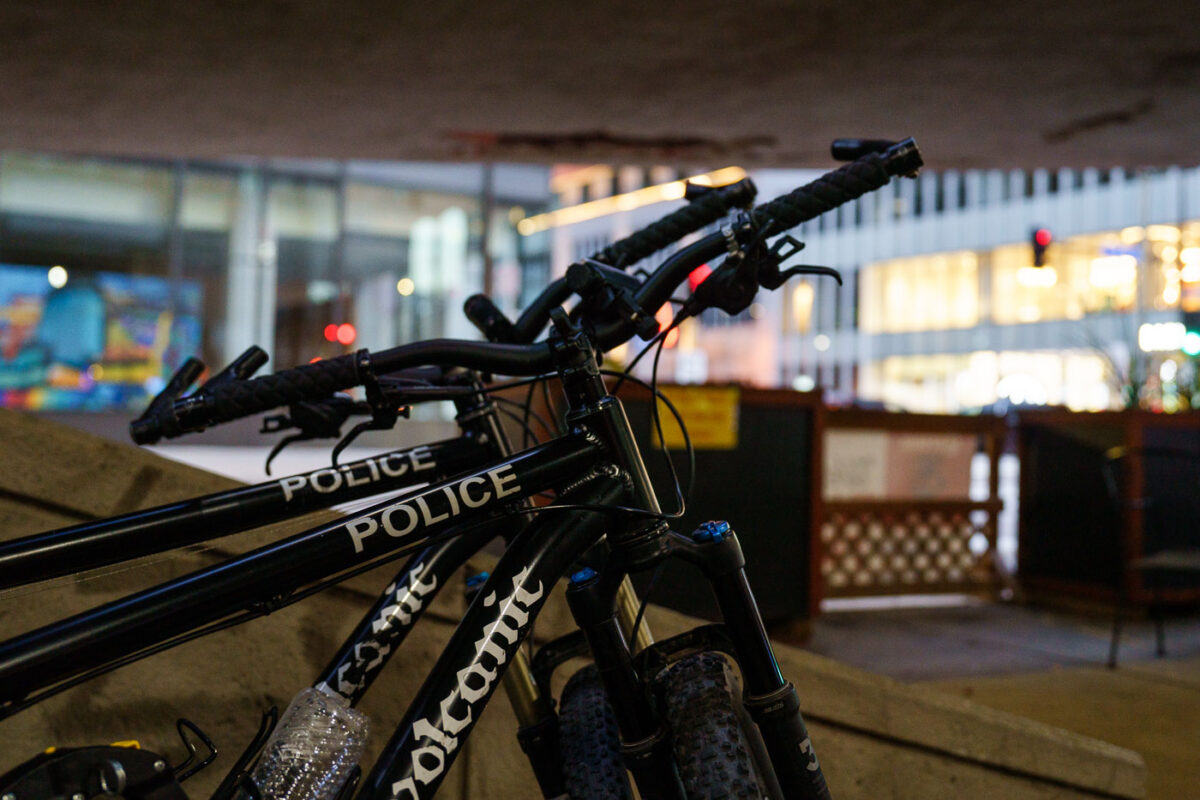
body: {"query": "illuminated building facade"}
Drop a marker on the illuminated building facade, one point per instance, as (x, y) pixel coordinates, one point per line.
(942, 308)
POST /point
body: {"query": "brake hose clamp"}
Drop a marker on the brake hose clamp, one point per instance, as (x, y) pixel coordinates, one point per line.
(731, 242)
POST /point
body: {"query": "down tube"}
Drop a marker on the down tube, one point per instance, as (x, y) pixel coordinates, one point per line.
(420, 752)
(383, 629)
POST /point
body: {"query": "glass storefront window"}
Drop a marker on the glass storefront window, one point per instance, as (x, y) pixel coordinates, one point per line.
(937, 292)
(1077, 379)
(1096, 273)
(1093, 273)
(155, 261)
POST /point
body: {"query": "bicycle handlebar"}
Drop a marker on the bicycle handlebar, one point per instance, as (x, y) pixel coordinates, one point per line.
(709, 207)
(704, 210)
(320, 379)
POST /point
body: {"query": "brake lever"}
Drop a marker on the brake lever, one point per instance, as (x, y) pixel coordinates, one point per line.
(771, 278)
(282, 443)
(319, 420)
(807, 269)
(384, 422)
(385, 411)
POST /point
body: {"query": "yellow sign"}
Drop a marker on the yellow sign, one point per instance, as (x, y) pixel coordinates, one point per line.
(710, 413)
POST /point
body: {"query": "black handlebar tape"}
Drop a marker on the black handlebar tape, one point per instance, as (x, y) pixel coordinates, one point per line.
(704, 210)
(314, 381)
(824, 194)
(838, 187)
(490, 321)
(230, 401)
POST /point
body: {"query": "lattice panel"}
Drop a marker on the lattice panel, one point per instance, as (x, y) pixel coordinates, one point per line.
(871, 552)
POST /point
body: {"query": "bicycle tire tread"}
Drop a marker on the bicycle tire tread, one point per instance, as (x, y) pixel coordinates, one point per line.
(590, 742)
(711, 751)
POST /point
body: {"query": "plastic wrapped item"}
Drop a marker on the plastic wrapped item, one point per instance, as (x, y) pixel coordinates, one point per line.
(313, 749)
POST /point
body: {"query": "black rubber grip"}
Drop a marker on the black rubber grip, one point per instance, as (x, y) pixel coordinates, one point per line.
(705, 210)
(315, 381)
(490, 321)
(824, 194)
(840, 186)
(241, 398)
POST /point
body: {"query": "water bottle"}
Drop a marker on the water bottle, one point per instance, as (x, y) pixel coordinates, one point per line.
(313, 749)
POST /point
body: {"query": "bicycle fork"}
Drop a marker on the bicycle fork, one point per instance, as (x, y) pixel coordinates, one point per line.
(537, 722)
(771, 701)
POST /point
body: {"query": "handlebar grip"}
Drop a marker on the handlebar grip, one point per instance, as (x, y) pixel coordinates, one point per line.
(238, 399)
(838, 187)
(704, 210)
(490, 321)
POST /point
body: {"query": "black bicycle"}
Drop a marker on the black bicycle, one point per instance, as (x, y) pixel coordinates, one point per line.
(603, 515)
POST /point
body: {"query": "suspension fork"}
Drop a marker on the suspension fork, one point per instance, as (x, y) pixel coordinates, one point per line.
(645, 740)
(772, 702)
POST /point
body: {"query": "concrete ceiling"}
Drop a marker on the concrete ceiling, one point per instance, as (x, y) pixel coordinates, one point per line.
(1003, 84)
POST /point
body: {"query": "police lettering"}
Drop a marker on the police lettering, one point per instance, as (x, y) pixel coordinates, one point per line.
(361, 473)
(402, 518)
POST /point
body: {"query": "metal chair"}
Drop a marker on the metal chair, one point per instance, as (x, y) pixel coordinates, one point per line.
(1163, 486)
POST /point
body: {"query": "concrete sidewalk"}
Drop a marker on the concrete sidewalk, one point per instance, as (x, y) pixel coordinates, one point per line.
(981, 639)
(1046, 666)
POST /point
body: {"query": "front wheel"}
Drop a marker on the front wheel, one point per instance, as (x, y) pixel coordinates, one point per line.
(590, 742)
(717, 748)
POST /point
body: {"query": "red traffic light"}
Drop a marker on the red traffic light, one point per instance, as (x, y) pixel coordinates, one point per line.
(1041, 240)
(346, 334)
(331, 332)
